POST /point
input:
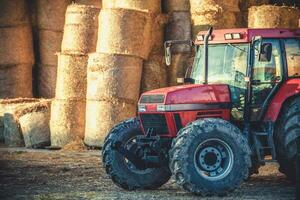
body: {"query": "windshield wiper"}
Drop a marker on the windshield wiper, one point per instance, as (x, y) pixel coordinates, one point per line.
(237, 47)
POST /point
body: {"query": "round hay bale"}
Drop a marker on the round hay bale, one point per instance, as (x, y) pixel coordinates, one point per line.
(157, 34)
(113, 76)
(101, 116)
(49, 45)
(16, 81)
(71, 79)
(153, 6)
(218, 19)
(51, 14)
(34, 124)
(269, 16)
(67, 121)
(179, 65)
(176, 5)
(16, 45)
(154, 73)
(179, 28)
(13, 12)
(95, 3)
(125, 32)
(203, 5)
(47, 81)
(80, 30)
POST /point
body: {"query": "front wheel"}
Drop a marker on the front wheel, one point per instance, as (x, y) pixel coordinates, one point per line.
(210, 157)
(122, 172)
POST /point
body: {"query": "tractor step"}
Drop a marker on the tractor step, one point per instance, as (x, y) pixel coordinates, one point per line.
(264, 143)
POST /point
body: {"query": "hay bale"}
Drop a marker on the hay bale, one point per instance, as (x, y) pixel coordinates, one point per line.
(10, 111)
(153, 6)
(179, 65)
(154, 73)
(34, 124)
(7, 106)
(179, 28)
(46, 81)
(245, 5)
(49, 45)
(113, 76)
(204, 5)
(101, 116)
(71, 77)
(13, 12)
(16, 45)
(16, 81)
(80, 30)
(95, 3)
(170, 6)
(273, 17)
(51, 14)
(125, 32)
(67, 121)
(219, 19)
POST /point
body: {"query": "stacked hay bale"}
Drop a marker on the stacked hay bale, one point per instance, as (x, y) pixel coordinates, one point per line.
(244, 7)
(178, 28)
(50, 20)
(216, 13)
(154, 69)
(68, 109)
(16, 50)
(25, 120)
(114, 71)
(269, 16)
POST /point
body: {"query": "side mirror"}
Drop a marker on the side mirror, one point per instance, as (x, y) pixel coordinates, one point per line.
(265, 52)
(168, 55)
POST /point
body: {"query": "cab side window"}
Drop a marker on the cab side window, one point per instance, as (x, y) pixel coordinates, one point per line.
(292, 48)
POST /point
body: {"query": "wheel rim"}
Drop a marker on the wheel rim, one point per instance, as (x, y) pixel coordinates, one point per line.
(213, 159)
(131, 145)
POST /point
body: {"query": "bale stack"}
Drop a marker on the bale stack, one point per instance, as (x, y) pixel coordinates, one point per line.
(244, 7)
(269, 16)
(68, 109)
(16, 50)
(178, 28)
(216, 13)
(114, 71)
(12, 110)
(50, 19)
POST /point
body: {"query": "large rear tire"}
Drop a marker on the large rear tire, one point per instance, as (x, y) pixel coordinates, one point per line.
(121, 171)
(210, 157)
(287, 138)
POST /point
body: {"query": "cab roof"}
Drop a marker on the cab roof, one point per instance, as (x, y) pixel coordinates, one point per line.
(246, 35)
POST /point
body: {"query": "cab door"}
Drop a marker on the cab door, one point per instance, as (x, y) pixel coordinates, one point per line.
(265, 77)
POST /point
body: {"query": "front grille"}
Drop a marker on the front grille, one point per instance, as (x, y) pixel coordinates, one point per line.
(178, 121)
(155, 121)
(152, 98)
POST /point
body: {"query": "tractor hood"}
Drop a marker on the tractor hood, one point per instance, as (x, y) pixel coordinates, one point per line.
(188, 94)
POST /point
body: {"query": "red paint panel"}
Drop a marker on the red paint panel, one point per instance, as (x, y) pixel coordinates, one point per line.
(288, 89)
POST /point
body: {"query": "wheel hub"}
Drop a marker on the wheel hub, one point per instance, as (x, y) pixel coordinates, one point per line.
(210, 158)
(213, 159)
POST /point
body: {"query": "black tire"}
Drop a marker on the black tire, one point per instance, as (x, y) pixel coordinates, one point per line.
(287, 138)
(117, 168)
(182, 159)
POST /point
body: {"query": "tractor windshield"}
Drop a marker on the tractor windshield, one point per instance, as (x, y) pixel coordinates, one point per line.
(227, 63)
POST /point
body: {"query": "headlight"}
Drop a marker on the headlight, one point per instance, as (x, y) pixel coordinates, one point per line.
(142, 108)
(161, 108)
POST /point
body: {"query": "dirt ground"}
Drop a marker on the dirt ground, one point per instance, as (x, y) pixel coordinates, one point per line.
(29, 174)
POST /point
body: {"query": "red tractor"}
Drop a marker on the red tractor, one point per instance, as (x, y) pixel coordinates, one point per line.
(239, 107)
